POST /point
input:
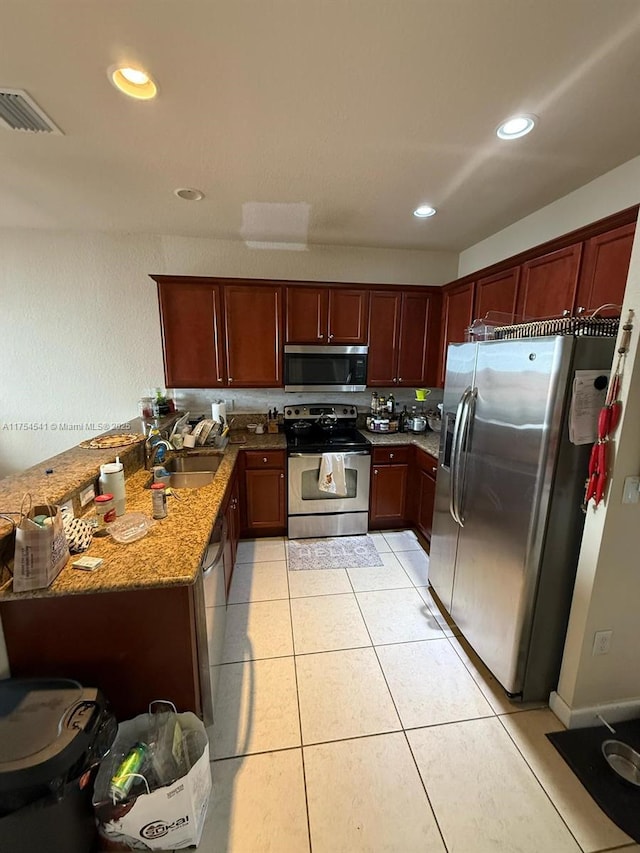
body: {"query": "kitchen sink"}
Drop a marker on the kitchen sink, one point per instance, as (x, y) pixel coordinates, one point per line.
(194, 464)
(191, 472)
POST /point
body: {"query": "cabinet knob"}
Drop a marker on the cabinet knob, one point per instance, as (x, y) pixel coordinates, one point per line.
(395, 380)
(230, 379)
(399, 378)
(375, 470)
(581, 309)
(282, 476)
(330, 337)
(391, 456)
(264, 459)
(434, 470)
(320, 337)
(220, 379)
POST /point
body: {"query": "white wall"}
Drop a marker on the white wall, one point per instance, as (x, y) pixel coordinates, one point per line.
(81, 334)
(611, 192)
(607, 589)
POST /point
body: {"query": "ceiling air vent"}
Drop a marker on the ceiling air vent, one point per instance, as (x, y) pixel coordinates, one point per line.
(20, 112)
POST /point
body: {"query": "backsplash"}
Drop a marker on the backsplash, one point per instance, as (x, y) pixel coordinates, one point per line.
(260, 400)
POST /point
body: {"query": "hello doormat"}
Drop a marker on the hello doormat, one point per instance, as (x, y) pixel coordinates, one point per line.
(336, 552)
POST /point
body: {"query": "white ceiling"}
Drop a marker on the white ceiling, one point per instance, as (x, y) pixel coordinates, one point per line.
(356, 111)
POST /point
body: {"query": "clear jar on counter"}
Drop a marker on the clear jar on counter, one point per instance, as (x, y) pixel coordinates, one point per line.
(159, 500)
(105, 513)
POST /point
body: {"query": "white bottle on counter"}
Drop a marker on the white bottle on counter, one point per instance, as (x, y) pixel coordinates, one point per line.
(112, 482)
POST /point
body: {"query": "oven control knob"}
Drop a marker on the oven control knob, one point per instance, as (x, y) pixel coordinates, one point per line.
(353, 411)
(344, 411)
(288, 413)
(297, 411)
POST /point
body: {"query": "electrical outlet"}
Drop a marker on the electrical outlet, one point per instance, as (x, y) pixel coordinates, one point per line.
(602, 642)
(68, 505)
(87, 495)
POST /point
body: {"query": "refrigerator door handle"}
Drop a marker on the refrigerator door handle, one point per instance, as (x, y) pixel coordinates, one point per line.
(461, 466)
(455, 457)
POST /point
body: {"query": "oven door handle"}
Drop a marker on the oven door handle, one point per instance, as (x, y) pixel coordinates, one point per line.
(318, 455)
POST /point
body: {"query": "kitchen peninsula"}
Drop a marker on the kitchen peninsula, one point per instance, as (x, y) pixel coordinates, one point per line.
(134, 626)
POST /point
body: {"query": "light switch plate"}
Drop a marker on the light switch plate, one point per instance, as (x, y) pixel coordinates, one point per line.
(68, 505)
(631, 491)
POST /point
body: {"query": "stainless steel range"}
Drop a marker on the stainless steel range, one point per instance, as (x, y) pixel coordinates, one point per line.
(311, 432)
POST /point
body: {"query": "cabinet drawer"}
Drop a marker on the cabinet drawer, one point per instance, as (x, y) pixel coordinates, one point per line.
(388, 455)
(426, 462)
(264, 458)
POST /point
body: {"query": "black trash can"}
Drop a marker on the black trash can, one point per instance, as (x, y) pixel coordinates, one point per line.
(53, 734)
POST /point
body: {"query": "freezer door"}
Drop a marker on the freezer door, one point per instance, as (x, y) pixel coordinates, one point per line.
(508, 468)
(461, 359)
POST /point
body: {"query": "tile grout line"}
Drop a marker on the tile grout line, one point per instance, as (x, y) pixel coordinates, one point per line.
(426, 793)
(535, 776)
(295, 675)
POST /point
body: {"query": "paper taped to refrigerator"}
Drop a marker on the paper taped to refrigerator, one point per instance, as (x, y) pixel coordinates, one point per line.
(587, 398)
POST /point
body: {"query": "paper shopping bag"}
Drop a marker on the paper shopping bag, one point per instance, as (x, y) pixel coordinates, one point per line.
(41, 550)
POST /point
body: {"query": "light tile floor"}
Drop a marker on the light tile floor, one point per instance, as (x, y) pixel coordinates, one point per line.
(351, 716)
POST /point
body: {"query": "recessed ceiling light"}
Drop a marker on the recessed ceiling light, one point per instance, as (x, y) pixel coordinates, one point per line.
(189, 194)
(133, 82)
(516, 126)
(424, 211)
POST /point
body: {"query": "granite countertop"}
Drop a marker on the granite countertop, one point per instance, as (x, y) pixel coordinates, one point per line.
(171, 551)
(427, 441)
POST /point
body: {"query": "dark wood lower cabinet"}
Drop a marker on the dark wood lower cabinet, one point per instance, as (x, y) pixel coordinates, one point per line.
(135, 646)
(389, 479)
(264, 494)
(424, 468)
(426, 501)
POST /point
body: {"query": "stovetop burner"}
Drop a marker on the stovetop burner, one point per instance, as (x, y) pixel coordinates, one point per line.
(323, 428)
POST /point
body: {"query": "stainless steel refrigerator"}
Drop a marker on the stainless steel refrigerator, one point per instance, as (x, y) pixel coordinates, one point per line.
(508, 522)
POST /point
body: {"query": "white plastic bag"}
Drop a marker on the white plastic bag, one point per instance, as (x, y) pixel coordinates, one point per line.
(169, 818)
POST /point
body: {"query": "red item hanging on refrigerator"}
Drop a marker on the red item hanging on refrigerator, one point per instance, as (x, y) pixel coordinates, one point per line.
(608, 420)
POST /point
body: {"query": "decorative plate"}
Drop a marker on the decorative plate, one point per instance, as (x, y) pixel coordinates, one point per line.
(103, 442)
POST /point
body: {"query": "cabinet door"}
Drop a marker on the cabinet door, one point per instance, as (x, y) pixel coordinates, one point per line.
(348, 316)
(548, 285)
(306, 321)
(384, 331)
(418, 340)
(457, 315)
(191, 335)
(605, 268)
(388, 495)
(427, 493)
(498, 294)
(253, 325)
(265, 501)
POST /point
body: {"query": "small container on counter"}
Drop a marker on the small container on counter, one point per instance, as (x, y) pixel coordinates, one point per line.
(159, 500)
(105, 513)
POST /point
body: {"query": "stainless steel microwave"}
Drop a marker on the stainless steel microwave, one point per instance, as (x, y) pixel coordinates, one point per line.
(325, 368)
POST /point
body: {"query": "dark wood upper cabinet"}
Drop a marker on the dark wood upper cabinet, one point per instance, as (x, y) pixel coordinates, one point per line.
(253, 331)
(190, 317)
(348, 309)
(403, 338)
(548, 284)
(326, 315)
(605, 267)
(497, 294)
(306, 315)
(384, 332)
(457, 315)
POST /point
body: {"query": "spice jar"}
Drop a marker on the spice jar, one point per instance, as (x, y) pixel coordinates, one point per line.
(159, 500)
(105, 513)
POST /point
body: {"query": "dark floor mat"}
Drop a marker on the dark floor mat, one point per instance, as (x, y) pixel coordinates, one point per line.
(581, 749)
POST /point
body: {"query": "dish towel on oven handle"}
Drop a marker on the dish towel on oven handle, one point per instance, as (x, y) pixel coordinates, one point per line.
(332, 477)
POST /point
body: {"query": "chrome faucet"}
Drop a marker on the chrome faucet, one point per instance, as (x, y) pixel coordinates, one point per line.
(151, 450)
